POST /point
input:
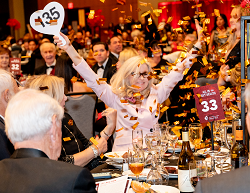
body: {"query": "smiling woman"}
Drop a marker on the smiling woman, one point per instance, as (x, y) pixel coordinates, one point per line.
(131, 93)
(4, 58)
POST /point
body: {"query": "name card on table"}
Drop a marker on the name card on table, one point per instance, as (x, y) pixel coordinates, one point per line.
(208, 103)
(49, 20)
(15, 66)
(115, 185)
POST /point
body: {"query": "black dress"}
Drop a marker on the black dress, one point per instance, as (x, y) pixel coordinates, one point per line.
(234, 56)
(73, 141)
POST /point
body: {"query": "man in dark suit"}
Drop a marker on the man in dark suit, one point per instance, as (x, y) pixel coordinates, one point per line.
(115, 47)
(8, 88)
(237, 180)
(121, 27)
(37, 137)
(48, 52)
(105, 67)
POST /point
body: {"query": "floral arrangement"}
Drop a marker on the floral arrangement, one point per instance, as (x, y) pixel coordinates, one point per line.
(97, 19)
(14, 23)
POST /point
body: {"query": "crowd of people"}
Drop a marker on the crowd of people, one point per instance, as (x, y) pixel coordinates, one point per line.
(140, 70)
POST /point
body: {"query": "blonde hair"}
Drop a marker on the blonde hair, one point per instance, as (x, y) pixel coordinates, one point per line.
(120, 82)
(232, 38)
(126, 54)
(55, 86)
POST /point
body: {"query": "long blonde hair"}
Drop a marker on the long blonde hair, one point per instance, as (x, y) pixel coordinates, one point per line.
(50, 85)
(126, 54)
(120, 82)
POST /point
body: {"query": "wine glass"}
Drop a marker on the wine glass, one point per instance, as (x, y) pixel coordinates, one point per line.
(173, 133)
(136, 161)
(161, 130)
(195, 134)
(221, 158)
(197, 171)
(137, 139)
(212, 171)
(154, 177)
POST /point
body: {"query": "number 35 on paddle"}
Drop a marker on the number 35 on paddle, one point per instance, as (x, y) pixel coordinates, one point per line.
(49, 20)
(208, 103)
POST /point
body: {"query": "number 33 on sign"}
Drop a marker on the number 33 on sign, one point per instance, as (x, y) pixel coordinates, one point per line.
(208, 103)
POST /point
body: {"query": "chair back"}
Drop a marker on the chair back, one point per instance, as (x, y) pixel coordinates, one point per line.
(82, 110)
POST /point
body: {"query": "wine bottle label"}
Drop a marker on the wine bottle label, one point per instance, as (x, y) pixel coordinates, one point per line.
(243, 161)
(185, 136)
(239, 134)
(184, 183)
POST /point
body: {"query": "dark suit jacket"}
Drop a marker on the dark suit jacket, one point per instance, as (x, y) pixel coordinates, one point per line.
(231, 182)
(113, 58)
(30, 171)
(118, 30)
(108, 71)
(6, 147)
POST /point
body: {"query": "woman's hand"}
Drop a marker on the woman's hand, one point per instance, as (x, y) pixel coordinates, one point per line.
(223, 72)
(59, 42)
(199, 30)
(111, 115)
(102, 144)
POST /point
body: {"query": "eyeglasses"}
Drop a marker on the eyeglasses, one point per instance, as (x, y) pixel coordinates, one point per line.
(138, 75)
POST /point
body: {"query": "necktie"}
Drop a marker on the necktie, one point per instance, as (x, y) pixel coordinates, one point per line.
(99, 67)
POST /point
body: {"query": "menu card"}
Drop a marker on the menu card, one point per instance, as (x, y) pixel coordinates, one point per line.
(116, 185)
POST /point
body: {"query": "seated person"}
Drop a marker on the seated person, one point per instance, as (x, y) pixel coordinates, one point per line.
(230, 182)
(33, 125)
(76, 149)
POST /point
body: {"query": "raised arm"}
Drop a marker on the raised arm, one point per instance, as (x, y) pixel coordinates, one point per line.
(169, 81)
(102, 89)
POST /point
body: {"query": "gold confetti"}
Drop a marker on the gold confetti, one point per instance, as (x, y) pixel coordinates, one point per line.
(146, 13)
(193, 110)
(119, 129)
(143, 4)
(226, 92)
(157, 110)
(164, 109)
(103, 79)
(91, 14)
(245, 81)
(101, 95)
(92, 140)
(136, 94)
(217, 12)
(130, 8)
(198, 5)
(122, 11)
(125, 116)
(185, 71)
(115, 9)
(98, 82)
(157, 12)
(102, 1)
(176, 130)
(204, 60)
(135, 125)
(124, 101)
(186, 18)
(134, 86)
(150, 109)
(74, 79)
(235, 108)
(154, 101)
(176, 122)
(149, 21)
(133, 118)
(170, 19)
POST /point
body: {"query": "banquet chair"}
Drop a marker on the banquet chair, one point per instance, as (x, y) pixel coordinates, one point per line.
(82, 110)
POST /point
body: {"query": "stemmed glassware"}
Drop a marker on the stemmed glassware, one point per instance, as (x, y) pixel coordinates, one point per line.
(195, 134)
(173, 133)
(221, 158)
(212, 171)
(136, 161)
(197, 171)
(137, 138)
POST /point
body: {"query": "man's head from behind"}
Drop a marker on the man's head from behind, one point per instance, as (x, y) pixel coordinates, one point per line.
(48, 52)
(101, 52)
(33, 120)
(8, 88)
(115, 45)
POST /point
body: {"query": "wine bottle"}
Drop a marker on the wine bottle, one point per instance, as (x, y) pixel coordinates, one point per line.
(186, 156)
(239, 155)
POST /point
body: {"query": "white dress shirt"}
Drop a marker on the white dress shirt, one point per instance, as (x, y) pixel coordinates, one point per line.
(100, 71)
(49, 70)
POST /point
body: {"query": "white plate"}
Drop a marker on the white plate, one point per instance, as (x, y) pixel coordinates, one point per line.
(161, 189)
(113, 163)
(143, 175)
(203, 151)
(178, 149)
(115, 156)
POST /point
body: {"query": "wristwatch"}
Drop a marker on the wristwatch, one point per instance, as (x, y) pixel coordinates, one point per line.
(94, 150)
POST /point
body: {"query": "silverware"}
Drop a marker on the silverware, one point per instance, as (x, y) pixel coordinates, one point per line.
(107, 170)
